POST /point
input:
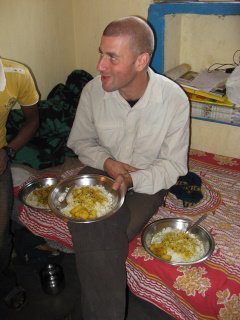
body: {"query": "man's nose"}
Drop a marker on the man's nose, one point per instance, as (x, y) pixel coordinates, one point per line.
(102, 63)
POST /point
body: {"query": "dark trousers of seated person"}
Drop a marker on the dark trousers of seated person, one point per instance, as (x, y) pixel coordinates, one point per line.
(7, 278)
(101, 250)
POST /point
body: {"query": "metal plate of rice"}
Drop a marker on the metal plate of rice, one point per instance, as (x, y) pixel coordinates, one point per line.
(166, 240)
(89, 198)
(34, 194)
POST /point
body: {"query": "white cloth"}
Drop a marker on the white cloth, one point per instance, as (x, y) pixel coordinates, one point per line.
(20, 175)
(152, 136)
(233, 86)
(2, 77)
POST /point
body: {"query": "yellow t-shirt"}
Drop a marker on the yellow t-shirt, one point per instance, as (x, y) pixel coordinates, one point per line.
(19, 88)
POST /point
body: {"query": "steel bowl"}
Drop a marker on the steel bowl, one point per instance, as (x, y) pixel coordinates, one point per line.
(61, 190)
(32, 185)
(180, 224)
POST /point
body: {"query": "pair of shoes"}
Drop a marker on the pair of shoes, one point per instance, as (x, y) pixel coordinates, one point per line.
(16, 298)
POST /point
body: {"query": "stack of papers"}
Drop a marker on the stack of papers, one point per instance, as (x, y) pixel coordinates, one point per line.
(210, 85)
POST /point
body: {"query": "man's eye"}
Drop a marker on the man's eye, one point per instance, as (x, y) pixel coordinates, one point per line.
(113, 59)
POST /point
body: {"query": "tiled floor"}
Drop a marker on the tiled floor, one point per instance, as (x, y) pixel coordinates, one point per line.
(41, 306)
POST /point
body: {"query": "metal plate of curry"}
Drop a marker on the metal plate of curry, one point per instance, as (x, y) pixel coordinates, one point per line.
(39, 189)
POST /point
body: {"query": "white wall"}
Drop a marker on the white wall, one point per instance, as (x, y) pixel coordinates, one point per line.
(54, 37)
(215, 138)
(39, 33)
(200, 40)
(91, 17)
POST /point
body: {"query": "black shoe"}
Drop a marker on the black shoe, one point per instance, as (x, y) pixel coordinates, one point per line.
(16, 298)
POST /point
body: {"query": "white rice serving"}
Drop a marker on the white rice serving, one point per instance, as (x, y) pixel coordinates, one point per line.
(38, 198)
(88, 202)
(176, 245)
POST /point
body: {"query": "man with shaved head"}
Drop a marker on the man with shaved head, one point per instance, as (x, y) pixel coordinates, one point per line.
(141, 35)
(133, 126)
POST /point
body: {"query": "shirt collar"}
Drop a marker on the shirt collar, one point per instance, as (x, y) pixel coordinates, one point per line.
(2, 77)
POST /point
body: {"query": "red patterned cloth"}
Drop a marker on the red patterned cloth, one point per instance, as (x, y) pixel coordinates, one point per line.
(211, 289)
(208, 290)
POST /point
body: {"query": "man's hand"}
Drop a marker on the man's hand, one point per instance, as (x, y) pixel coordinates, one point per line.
(3, 160)
(115, 168)
(123, 180)
(119, 171)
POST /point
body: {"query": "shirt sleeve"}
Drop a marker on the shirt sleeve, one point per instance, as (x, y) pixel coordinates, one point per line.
(28, 94)
(83, 139)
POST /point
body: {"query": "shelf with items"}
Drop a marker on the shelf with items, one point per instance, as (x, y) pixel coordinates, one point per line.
(168, 33)
(207, 94)
(215, 113)
(189, 32)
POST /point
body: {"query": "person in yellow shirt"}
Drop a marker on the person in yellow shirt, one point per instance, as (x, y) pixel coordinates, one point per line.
(16, 85)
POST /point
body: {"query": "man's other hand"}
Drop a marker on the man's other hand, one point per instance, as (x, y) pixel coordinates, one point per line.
(124, 181)
(115, 168)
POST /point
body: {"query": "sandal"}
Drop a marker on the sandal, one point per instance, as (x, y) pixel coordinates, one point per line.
(16, 298)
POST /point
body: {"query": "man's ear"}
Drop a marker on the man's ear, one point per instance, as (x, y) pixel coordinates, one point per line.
(142, 61)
